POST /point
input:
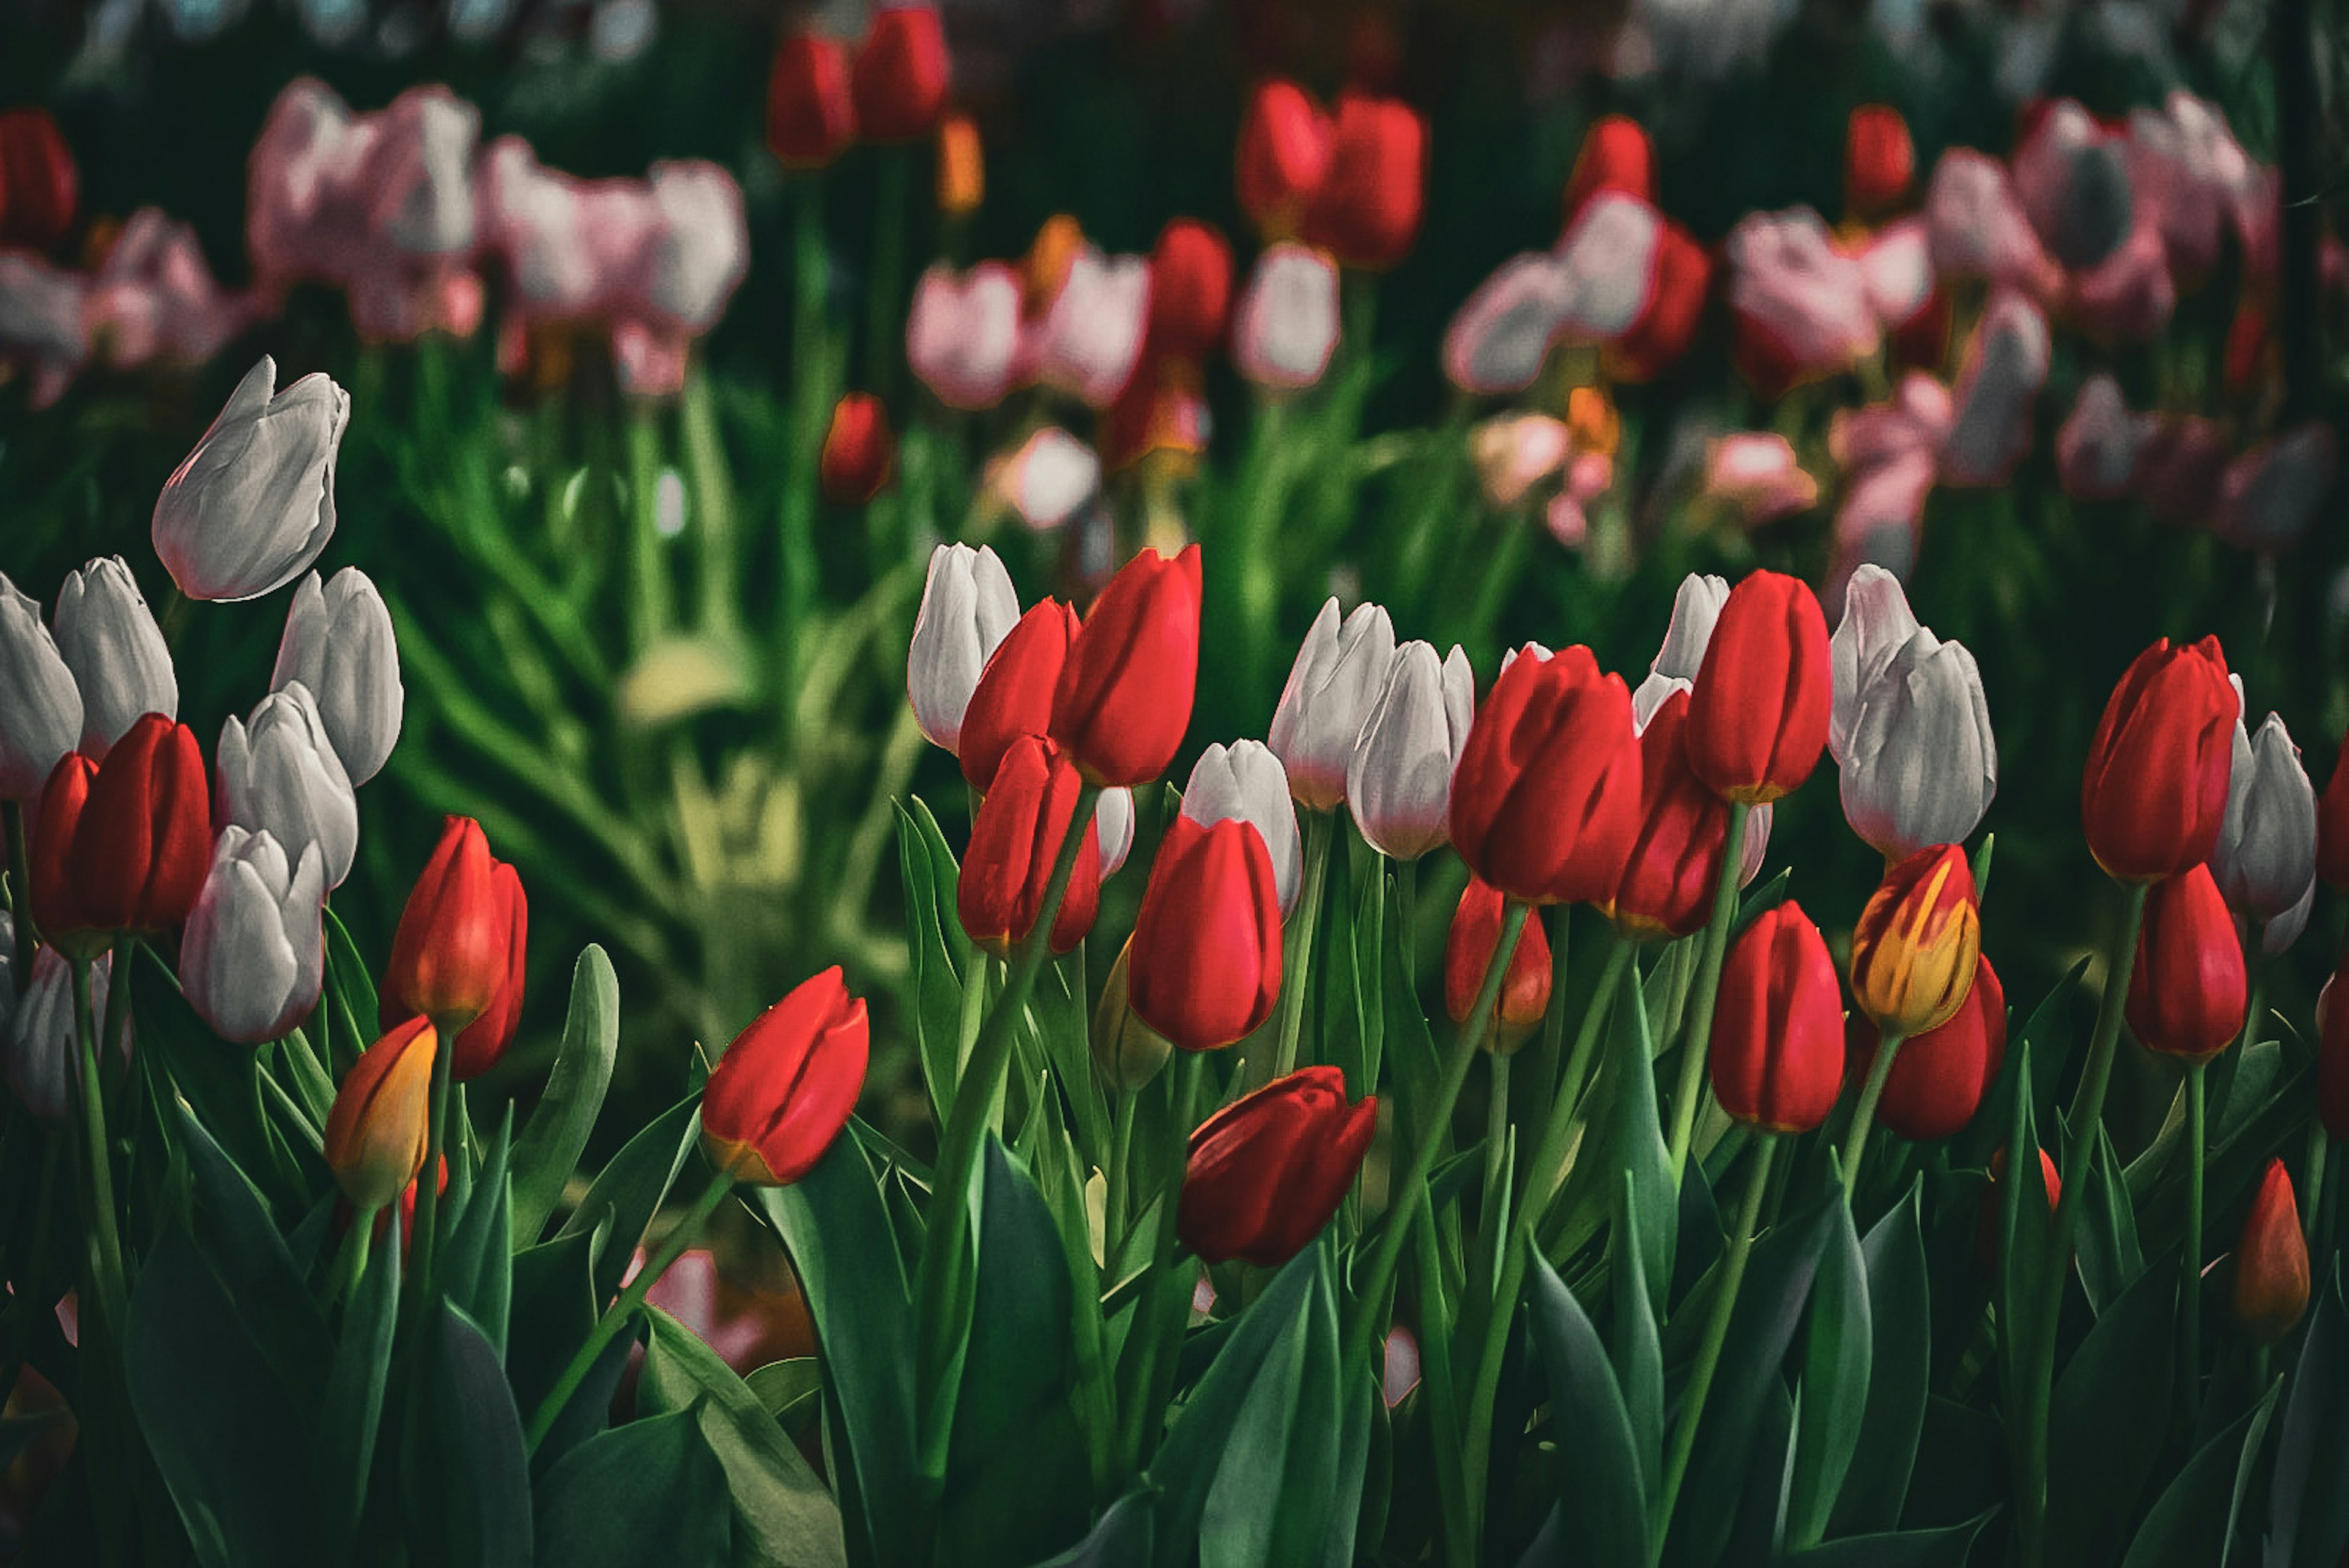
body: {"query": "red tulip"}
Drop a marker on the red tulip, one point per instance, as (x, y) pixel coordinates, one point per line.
(1680, 284)
(1758, 718)
(1546, 795)
(2272, 1261)
(1204, 968)
(381, 1122)
(2154, 795)
(1284, 155)
(482, 1044)
(1616, 155)
(452, 953)
(123, 845)
(1366, 210)
(788, 1085)
(899, 84)
(38, 184)
(1879, 162)
(2332, 1058)
(1021, 826)
(2190, 989)
(1124, 701)
(1468, 952)
(1940, 1077)
(1777, 1028)
(1014, 694)
(1190, 290)
(810, 120)
(2332, 824)
(1268, 1172)
(1674, 866)
(858, 450)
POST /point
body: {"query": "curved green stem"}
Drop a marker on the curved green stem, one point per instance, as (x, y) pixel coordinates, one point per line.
(1164, 1301)
(1716, 1334)
(2190, 1247)
(1319, 828)
(1863, 1118)
(1697, 1039)
(104, 1232)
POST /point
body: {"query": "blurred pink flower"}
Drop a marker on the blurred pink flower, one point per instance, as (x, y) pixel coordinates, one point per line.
(1045, 479)
(1285, 325)
(1515, 452)
(1801, 308)
(2129, 296)
(1587, 477)
(2185, 165)
(1088, 341)
(2072, 180)
(1977, 228)
(42, 329)
(962, 339)
(154, 297)
(2269, 495)
(1757, 474)
(2004, 367)
(1500, 338)
(1607, 258)
(2096, 448)
(1889, 453)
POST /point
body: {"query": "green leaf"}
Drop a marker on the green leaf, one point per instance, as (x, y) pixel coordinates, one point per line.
(1638, 1351)
(2187, 1527)
(2110, 1255)
(551, 1309)
(1599, 1471)
(557, 1133)
(469, 1461)
(1639, 1149)
(1835, 1374)
(1900, 1364)
(787, 1518)
(1945, 1548)
(2309, 1496)
(478, 1268)
(350, 995)
(1122, 1538)
(231, 1223)
(225, 1431)
(940, 952)
(2106, 1420)
(620, 1204)
(650, 1491)
(1276, 1498)
(354, 1403)
(783, 1386)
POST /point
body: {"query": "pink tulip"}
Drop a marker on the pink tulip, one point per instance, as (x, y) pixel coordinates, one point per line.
(1977, 229)
(1500, 338)
(1515, 452)
(42, 330)
(2071, 178)
(1285, 325)
(2270, 494)
(1801, 308)
(1088, 343)
(2005, 365)
(2096, 449)
(155, 298)
(1757, 474)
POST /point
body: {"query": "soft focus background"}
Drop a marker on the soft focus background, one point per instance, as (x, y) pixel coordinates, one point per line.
(667, 675)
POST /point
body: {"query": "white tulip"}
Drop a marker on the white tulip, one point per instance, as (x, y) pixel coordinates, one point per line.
(1330, 690)
(253, 505)
(278, 773)
(338, 642)
(40, 706)
(968, 606)
(1245, 782)
(109, 641)
(1399, 781)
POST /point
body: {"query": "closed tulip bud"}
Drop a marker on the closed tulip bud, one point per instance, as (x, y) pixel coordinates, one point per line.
(43, 1057)
(1938, 1081)
(1913, 951)
(1014, 844)
(1285, 325)
(1245, 782)
(2271, 1289)
(1267, 1172)
(1014, 694)
(339, 644)
(788, 1085)
(2265, 860)
(38, 184)
(253, 505)
(962, 167)
(1468, 953)
(1207, 941)
(1366, 210)
(1758, 717)
(123, 845)
(810, 120)
(1339, 673)
(278, 772)
(901, 76)
(380, 1124)
(1546, 797)
(109, 641)
(1127, 1053)
(1696, 608)
(482, 1044)
(968, 607)
(1679, 275)
(254, 954)
(1190, 289)
(1285, 145)
(1879, 162)
(1668, 879)
(2333, 1060)
(1876, 624)
(1921, 764)
(2154, 795)
(859, 451)
(2190, 990)
(1124, 697)
(1616, 155)
(1399, 781)
(451, 952)
(1777, 1030)
(40, 706)
(963, 335)
(1113, 827)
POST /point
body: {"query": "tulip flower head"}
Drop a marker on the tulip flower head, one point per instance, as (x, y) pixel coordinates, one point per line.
(1366, 210)
(40, 706)
(2265, 858)
(2271, 1290)
(452, 952)
(962, 335)
(1190, 289)
(1124, 695)
(253, 505)
(1938, 1081)
(40, 1055)
(40, 186)
(859, 451)
(968, 607)
(810, 118)
(339, 644)
(1205, 966)
(123, 845)
(1014, 844)
(1468, 952)
(901, 76)
(1670, 875)
(1399, 781)
(2154, 795)
(109, 641)
(279, 772)
(1284, 146)
(1776, 1062)
(1014, 694)
(1046, 479)
(1616, 155)
(1758, 717)
(962, 167)
(1267, 1172)
(1919, 766)
(1336, 680)
(1246, 781)
(381, 1122)
(788, 1085)
(253, 957)
(1546, 797)
(2191, 988)
(1913, 952)
(1285, 325)
(1879, 162)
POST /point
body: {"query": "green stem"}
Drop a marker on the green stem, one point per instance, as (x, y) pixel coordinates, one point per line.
(1120, 1176)
(1494, 1205)
(1863, 1119)
(1166, 1297)
(681, 1235)
(1442, 1403)
(1697, 1039)
(351, 1258)
(713, 506)
(1318, 831)
(812, 364)
(1436, 1118)
(2318, 1145)
(1716, 1334)
(428, 1179)
(974, 1010)
(104, 1235)
(649, 605)
(2191, 1248)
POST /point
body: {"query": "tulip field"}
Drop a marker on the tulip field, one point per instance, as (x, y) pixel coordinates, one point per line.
(884, 784)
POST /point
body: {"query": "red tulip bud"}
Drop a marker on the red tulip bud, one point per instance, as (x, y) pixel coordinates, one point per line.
(38, 184)
(1758, 718)
(1190, 290)
(902, 74)
(1879, 162)
(482, 1044)
(1680, 284)
(1284, 155)
(2272, 1261)
(858, 450)
(1777, 1028)
(123, 845)
(788, 1084)
(1468, 952)
(1205, 961)
(2154, 795)
(452, 952)
(381, 1118)
(2189, 991)
(1940, 1077)
(1268, 1172)
(1616, 155)
(1366, 210)
(809, 118)
(1124, 701)
(1014, 694)
(1014, 844)
(1674, 866)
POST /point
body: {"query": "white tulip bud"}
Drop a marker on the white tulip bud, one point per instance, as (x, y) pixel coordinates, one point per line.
(1877, 621)
(254, 955)
(2265, 860)
(1399, 781)
(278, 773)
(338, 642)
(1757, 844)
(1695, 608)
(43, 1061)
(253, 505)
(1243, 782)
(40, 706)
(1285, 325)
(1920, 765)
(109, 641)
(1113, 827)
(968, 606)
(1331, 689)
